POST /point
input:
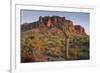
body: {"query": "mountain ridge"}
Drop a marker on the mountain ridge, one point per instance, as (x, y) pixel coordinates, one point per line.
(48, 22)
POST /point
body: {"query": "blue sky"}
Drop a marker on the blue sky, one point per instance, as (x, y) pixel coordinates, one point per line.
(78, 18)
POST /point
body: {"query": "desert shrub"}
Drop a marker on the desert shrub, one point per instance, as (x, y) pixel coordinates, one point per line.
(84, 55)
(26, 55)
(74, 53)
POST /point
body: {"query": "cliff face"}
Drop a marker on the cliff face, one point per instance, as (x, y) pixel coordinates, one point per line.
(80, 30)
(51, 21)
(48, 22)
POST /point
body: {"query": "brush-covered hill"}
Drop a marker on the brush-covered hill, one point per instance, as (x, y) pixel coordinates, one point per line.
(46, 40)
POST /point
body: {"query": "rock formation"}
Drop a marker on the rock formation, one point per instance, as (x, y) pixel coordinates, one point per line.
(50, 21)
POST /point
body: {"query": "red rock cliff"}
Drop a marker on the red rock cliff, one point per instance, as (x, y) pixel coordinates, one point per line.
(49, 21)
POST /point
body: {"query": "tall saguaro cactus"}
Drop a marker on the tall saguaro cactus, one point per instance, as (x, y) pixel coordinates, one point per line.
(63, 26)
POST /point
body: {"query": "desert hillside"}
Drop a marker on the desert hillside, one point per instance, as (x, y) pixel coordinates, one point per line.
(53, 38)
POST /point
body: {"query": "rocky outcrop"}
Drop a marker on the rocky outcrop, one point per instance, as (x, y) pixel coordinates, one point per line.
(79, 30)
(51, 21)
(48, 22)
